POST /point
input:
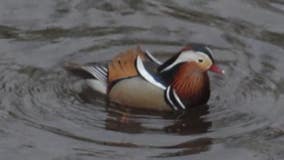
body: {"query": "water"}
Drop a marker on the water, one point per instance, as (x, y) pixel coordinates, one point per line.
(44, 115)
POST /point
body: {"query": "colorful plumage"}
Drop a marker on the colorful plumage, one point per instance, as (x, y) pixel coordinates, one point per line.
(137, 79)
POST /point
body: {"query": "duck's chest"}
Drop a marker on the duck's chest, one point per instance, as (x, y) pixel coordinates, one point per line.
(193, 89)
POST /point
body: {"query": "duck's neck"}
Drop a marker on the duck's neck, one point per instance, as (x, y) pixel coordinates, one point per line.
(191, 84)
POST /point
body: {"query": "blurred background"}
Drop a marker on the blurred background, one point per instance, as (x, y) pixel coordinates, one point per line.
(45, 115)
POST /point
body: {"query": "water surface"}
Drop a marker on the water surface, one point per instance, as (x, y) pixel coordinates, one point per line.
(46, 115)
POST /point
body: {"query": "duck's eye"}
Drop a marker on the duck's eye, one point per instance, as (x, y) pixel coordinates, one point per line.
(200, 60)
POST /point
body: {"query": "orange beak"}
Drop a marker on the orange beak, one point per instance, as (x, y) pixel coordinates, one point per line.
(216, 69)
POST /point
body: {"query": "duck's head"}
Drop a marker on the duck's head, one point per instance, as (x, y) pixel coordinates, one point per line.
(196, 53)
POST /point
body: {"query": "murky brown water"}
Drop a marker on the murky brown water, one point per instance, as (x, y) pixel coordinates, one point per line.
(45, 116)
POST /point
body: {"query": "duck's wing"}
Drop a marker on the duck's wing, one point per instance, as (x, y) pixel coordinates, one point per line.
(153, 59)
(120, 67)
(98, 71)
(95, 74)
(124, 65)
(148, 74)
(88, 71)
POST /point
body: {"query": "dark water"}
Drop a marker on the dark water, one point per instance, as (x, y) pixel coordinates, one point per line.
(44, 115)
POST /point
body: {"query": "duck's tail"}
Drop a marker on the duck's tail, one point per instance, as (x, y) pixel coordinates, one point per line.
(96, 75)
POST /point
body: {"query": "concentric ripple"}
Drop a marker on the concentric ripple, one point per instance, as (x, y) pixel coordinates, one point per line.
(47, 113)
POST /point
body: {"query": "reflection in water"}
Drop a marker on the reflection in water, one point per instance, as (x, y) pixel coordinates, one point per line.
(127, 120)
(188, 148)
(183, 123)
(124, 119)
(45, 114)
(188, 123)
(191, 122)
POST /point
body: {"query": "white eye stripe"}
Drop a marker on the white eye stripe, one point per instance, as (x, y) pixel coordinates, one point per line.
(183, 57)
(188, 56)
(202, 55)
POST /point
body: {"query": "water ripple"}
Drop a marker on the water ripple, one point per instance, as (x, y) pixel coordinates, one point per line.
(46, 112)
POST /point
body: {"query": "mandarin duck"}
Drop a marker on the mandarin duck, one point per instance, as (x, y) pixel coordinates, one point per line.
(135, 78)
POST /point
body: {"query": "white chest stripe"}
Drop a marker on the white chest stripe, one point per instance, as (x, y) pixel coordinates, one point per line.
(173, 99)
(178, 100)
(169, 99)
(146, 75)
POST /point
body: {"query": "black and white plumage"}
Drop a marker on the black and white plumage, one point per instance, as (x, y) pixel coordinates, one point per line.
(173, 99)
